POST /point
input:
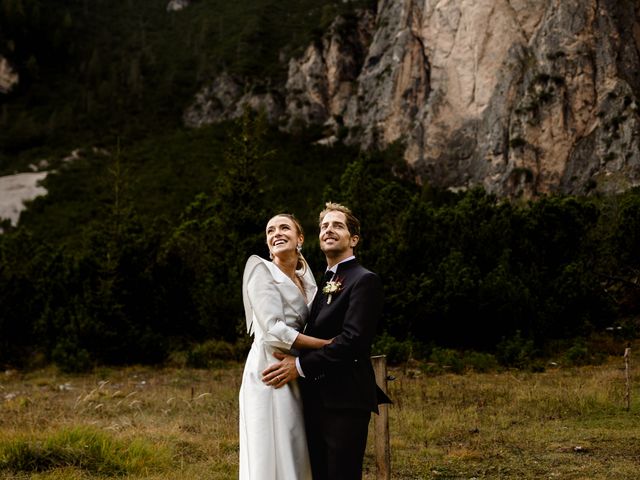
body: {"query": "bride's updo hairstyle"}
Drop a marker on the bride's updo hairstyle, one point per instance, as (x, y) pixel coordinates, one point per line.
(302, 265)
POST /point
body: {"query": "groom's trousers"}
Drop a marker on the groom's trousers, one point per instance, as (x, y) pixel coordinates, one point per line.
(337, 439)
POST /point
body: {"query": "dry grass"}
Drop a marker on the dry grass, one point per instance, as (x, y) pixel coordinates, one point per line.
(181, 423)
(568, 424)
(192, 414)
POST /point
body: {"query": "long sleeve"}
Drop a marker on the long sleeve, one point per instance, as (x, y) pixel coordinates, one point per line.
(267, 306)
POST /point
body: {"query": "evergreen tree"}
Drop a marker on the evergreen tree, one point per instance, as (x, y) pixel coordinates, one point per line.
(220, 230)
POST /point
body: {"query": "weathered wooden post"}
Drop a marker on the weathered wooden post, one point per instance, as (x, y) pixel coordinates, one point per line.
(381, 422)
(627, 375)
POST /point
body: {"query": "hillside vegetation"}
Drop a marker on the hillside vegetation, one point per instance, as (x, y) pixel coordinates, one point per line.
(136, 253)
(95, 71)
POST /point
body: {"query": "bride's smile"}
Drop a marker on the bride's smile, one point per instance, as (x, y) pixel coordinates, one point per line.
(282, 237)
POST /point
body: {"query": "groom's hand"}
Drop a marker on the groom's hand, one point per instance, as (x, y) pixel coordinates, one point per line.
(281, 373)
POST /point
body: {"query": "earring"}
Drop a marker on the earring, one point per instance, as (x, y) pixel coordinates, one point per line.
(299, 248)
(270, 254)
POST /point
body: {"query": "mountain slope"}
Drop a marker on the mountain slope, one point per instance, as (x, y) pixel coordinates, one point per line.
(522, 97)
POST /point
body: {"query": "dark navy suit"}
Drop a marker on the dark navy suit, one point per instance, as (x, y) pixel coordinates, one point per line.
(339, 390)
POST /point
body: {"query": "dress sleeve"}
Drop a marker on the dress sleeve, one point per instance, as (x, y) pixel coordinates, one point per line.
(268, 307)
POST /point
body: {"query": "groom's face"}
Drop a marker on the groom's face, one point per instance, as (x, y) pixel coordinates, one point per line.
(335, 239)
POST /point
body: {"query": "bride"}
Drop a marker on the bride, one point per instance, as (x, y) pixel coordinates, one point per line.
(276, 296)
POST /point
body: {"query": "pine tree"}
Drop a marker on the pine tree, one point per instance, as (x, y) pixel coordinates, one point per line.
(221, 229)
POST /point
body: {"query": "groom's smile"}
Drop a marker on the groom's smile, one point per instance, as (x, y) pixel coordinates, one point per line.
(335, 239)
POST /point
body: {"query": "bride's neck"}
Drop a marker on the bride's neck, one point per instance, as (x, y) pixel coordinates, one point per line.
(287, 265)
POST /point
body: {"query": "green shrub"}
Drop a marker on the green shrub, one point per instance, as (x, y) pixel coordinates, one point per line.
(447, 360)
(583, 352)
(516, 351)
(212, 353)
(578, 354)
(396, 351)
(480, 362)
(69, 357)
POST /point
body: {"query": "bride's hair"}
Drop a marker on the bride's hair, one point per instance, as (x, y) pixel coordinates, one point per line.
(302, 265)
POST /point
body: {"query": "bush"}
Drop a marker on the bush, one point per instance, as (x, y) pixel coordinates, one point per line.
(213, 353)
(396, 351)
(70, 358)
(447, 360)
(516, 352)
(578, 354)
(583, 352)
(480, 362)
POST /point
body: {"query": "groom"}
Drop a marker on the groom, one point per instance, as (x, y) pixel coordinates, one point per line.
(338, 384)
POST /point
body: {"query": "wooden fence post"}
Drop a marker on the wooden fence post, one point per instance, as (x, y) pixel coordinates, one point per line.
(381, 422)
(627, 375)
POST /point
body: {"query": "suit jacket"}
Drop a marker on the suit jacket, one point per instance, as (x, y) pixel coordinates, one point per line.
(341, 373)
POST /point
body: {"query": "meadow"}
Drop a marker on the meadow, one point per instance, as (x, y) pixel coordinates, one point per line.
(178, 423)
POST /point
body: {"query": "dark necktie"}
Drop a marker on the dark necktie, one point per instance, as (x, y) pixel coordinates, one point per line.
(328, 275)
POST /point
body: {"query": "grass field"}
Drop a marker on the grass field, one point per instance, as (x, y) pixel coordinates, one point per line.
(143, 423)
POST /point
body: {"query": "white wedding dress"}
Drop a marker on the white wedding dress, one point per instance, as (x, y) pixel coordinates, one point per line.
(273, 444)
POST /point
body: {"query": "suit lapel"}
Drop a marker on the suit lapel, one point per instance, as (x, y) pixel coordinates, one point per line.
(320, 301)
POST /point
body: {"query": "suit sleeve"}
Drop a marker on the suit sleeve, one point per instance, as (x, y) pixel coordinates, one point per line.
(267, 305)
(354, 341)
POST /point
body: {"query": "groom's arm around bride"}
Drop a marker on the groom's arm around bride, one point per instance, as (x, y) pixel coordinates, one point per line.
(338, 388)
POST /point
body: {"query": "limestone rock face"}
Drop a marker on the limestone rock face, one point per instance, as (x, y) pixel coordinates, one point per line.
(8, 78)
(224, 99)
(321, 84)
(176, 5)
(395, 81)
(523, 97)
(15, 190)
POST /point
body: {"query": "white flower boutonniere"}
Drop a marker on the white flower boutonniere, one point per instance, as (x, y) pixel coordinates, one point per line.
(331, 288)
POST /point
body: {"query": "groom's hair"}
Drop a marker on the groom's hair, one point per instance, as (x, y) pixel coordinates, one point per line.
(353, 224)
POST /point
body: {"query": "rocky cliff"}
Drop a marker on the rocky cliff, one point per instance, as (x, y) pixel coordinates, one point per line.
(8, 78)
(177, 5)
(523, 97)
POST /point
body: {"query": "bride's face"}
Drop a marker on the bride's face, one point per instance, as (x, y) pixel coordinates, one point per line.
(282, 237)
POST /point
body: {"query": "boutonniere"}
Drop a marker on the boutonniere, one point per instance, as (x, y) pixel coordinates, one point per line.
(334, 286)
